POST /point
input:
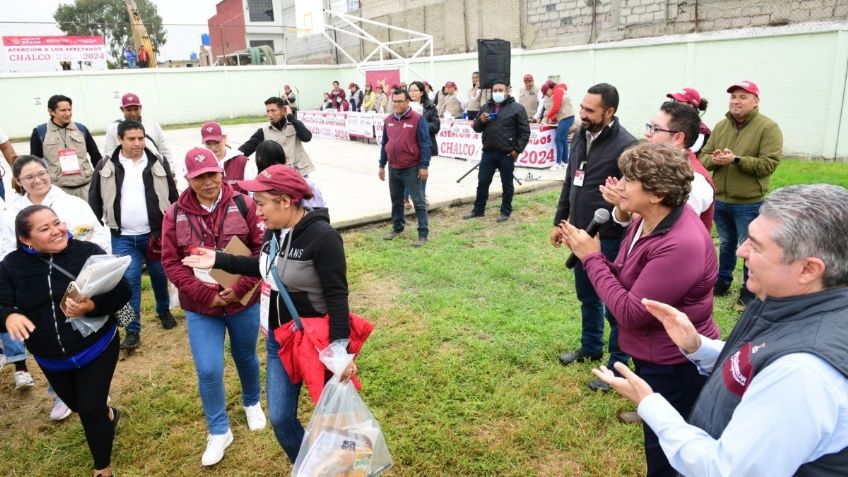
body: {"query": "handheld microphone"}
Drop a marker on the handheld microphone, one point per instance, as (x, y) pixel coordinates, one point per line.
(601, 217)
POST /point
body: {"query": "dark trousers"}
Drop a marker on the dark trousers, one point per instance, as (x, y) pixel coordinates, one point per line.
(402, 181)
(85, 391)
(490, 162)
(680, 385)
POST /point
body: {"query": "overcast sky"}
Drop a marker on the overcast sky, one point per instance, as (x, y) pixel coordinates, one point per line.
(184, 21)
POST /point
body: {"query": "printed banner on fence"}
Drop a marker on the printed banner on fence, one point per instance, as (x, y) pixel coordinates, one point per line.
(456, 138)
(53, 49)
(540, 151)
(325, 124)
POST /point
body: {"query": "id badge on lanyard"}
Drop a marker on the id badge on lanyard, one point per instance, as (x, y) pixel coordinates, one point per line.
(579, 175)
(264, 306)
(68, 162)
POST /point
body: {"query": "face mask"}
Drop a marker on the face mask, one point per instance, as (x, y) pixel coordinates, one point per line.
(498, 96)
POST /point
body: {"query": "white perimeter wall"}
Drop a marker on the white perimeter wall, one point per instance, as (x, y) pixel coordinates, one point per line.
(802, 72)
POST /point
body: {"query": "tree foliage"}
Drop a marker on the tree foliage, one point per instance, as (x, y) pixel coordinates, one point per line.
(110, 19)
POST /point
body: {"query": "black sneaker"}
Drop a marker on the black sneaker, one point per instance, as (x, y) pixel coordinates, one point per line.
(391, 235)
(420, 242)
(472, 215)
(721, 288)
(131, 341)
(168, 320)
(598, 385)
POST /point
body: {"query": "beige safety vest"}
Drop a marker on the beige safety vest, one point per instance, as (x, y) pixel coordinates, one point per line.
(451, 104)
(109, 189)
(296, 155)
(70, 137)
(529, 99)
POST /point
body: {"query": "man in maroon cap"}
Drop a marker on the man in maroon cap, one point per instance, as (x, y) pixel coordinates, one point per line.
(449, 103)
(131, 108)
(742, 153)
(529, 97)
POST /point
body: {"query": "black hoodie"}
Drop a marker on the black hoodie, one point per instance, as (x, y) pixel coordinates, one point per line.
(316, 249)
(509, 132)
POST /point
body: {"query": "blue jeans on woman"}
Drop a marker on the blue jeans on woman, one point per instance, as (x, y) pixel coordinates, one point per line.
(206, 337)
(135, 246)
(561, 140)
(282, 402)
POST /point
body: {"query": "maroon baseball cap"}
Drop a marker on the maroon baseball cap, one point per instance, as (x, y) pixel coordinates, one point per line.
(200, 161)
(545, 88)
(686, 95)
(130, 99)
(450, 84)
(280, 178)
(211, 131)
(528, 77)
(746, 85)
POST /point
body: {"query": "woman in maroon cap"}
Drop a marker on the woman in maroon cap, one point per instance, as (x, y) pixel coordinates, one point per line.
(691, 97)
(307, 254)
(210, 213)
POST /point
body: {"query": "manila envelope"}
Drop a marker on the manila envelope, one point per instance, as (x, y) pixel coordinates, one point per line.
(235, 247)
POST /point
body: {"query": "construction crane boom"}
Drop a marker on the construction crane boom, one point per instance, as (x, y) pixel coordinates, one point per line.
(140, 37)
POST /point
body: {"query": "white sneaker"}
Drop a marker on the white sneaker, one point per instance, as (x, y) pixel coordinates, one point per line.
(60, 410)
(554, 167)
(215, 447)
(23, 380)
(255, 417)
(2, 360)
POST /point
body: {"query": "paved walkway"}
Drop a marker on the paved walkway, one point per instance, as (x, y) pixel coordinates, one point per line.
(346, 172)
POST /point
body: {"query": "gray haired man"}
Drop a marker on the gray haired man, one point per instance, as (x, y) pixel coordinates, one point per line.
(776, 402)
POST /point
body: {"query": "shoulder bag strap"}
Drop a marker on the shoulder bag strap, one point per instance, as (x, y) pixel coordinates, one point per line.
(57, 267)
(272, 256)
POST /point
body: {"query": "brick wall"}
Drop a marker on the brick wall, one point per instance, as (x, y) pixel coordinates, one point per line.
(456, 24)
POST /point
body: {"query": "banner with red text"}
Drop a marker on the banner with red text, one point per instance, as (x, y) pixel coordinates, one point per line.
(456, 138)
(44, 53)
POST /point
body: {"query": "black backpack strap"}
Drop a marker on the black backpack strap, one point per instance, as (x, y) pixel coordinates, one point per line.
(241, 204)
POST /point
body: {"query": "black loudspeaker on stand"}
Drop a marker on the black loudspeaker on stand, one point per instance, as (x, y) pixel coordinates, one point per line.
(493, 61)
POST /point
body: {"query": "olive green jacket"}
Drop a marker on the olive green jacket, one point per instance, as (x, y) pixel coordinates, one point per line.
(758, 144)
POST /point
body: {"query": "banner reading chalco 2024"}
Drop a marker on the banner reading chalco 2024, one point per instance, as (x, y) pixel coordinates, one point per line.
(46, 53)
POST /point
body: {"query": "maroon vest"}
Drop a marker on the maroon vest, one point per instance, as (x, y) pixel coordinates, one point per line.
(234, 171)
(402, 145)
(707, 215)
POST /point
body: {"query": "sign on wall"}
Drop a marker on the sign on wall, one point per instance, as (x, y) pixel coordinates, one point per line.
(46, 53)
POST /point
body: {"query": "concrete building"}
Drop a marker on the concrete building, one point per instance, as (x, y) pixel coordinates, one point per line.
(242, 24)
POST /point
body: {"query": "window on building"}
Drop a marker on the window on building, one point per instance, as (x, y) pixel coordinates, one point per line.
(255, 43)
(261, 10)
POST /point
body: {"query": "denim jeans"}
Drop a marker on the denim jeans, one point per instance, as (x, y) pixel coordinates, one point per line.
(282, 402)
(206, 337)
(135, 246)
(593, 311)
(490, 162)
(401, 180)
(13, 349)
(561, 140)
(731, 222)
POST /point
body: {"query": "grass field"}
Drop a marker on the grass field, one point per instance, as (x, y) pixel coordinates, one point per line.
(461, 373)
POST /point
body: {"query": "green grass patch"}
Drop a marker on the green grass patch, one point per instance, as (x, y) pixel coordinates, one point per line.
(461, 372)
